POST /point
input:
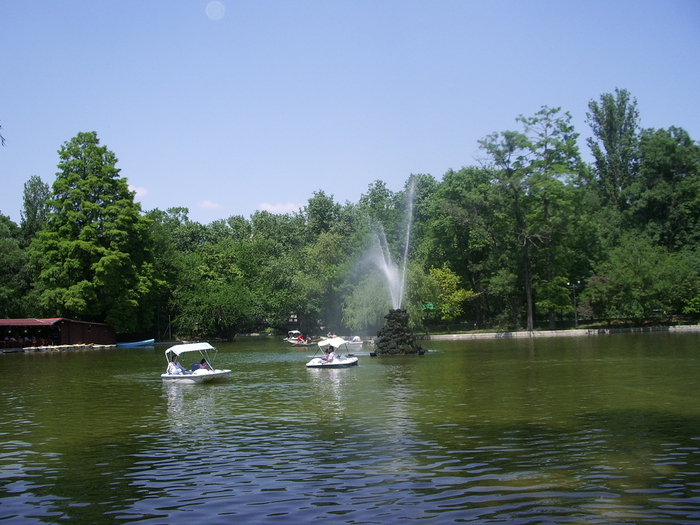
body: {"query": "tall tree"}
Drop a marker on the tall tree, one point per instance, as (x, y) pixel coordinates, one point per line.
(615, 125)
(33, 214)
(529, 171)
(553, 159)
(508, 156)
(93, 257)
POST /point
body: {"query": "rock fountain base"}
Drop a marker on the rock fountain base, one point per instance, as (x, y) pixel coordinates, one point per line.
(396, 338)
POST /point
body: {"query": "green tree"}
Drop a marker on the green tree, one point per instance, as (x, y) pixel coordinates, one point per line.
(451, 296)
(638, 278)
(322, 213)
(554, 159)
(33, 214)
(12, 265)
(211, 297)
(93, 257)
(507, 152)
(460, 232)
(665, 200)
(529, 172)
(615, 144)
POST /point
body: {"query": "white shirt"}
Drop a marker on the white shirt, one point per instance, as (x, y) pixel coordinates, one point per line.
(176, 368)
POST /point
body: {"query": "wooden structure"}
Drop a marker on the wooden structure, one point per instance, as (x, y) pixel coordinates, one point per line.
(21, 333)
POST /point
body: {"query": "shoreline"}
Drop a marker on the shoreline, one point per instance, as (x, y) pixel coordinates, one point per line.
(581, 332)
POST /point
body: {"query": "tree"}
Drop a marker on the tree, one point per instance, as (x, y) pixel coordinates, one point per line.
(460, 232)
(322, 213)
(665, 200)
(615, 125)
(12, 263)
(93, 257)
(451, 296)
(529, 172)
(554, 158)
(211, 297)
(33, 214)
(508, 154)
(639, 278)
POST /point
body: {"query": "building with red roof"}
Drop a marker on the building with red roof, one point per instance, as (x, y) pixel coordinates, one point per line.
(20, 333)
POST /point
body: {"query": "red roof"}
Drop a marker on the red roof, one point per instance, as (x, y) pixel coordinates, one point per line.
(29, 322)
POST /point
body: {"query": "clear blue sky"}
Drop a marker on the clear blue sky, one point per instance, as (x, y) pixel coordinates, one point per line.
(234, 106)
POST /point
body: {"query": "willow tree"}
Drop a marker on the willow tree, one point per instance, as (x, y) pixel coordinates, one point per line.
(93, 258)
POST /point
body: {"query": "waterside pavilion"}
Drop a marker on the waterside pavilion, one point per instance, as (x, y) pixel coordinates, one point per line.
(25, 333)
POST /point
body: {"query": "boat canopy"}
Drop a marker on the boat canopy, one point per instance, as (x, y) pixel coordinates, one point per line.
(188, 347)
(335, 342)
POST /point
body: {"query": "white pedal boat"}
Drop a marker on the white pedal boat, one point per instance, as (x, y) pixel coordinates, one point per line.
(205, 352)
(331, 357)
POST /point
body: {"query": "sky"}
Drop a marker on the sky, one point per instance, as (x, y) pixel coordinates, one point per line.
(232, 106)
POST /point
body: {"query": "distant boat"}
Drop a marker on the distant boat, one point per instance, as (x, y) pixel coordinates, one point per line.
(295, 338)
(145, 342)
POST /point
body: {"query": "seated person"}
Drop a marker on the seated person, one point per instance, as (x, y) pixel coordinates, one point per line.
(174, 367)
(330, 354)
(202, 365)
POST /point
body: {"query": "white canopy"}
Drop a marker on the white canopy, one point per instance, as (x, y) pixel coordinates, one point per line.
(188, 347)
(335, 342)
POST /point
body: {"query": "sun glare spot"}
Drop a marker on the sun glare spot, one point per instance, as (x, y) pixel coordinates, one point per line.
(215, 10)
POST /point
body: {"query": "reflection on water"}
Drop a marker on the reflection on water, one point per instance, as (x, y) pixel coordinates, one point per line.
(595, 430)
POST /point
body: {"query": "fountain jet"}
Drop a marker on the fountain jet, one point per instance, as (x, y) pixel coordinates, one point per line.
(396, 337)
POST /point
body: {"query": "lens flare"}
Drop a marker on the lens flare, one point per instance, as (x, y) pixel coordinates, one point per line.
(215, 10)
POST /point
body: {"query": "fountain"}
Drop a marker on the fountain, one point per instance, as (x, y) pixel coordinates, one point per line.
(396, 337)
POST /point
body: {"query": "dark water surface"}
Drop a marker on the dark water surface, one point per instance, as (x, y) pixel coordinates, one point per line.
(602, 429)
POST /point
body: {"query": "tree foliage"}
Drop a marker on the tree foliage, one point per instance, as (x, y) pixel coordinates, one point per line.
(615, 144)
(493, 245)
(94, 256)
(35, 208)
(12, 265)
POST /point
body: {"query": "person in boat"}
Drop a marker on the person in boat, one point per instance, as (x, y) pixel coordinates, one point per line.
(202, 365)
(330, 355)
(356, 339)
(174, 367)
(300, 338)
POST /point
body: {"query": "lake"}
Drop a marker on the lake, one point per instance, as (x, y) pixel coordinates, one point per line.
(597, 429)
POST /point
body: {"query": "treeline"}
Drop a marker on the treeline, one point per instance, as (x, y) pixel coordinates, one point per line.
(529, 236)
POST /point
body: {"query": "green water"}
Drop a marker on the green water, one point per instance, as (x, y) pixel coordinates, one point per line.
(601, 429)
